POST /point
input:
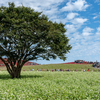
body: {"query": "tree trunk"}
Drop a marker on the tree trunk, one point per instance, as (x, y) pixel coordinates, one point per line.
(16, 72)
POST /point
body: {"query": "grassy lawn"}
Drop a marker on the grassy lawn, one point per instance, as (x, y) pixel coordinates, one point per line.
(71, 67)
(35, 85)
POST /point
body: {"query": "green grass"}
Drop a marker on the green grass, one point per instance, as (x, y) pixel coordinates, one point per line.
(35, 85)
(71, 67)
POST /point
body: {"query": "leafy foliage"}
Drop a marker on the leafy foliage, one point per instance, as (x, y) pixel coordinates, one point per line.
(27, 35)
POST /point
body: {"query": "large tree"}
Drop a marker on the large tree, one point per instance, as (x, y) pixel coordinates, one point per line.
(28, 35)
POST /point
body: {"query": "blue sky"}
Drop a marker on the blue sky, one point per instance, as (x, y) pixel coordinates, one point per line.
(81, 19)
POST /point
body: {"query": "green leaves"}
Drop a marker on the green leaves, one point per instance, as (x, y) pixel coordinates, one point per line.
(31, 35)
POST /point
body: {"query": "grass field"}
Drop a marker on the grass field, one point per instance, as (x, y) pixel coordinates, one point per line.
(71, 67)
(35, 85)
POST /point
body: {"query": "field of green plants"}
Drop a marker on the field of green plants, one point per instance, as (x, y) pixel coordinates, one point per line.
(35, 85)
(71, 67)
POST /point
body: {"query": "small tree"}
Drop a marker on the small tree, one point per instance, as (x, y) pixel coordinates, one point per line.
(28, 35)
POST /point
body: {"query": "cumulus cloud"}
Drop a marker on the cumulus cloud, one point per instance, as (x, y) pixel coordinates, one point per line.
(48, 7)
(79, 20)
(98, 31)
(87, 31)
(79, 5)
(71, 28)
(75, 22)
(72, 15)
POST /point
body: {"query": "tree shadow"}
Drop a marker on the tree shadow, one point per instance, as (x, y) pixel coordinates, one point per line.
(6, 77)
(31, 76)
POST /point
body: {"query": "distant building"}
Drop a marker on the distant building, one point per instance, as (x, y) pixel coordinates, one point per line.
(83, 62)
(78, 61)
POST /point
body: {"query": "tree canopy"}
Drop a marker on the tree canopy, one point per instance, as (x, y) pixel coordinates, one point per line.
(28, 35)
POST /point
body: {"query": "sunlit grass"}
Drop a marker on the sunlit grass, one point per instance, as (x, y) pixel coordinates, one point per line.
(71, 67)
(50, 86)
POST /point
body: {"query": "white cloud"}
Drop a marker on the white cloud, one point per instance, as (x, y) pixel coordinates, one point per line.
(71, 28)
(75, 38)
(79, 5)
(76, 24)
(72, 15)
(98, 31)
(87, 31)
(79, 20)
(95, 17)
(85, 48)
(97, 1)
(49, 7)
